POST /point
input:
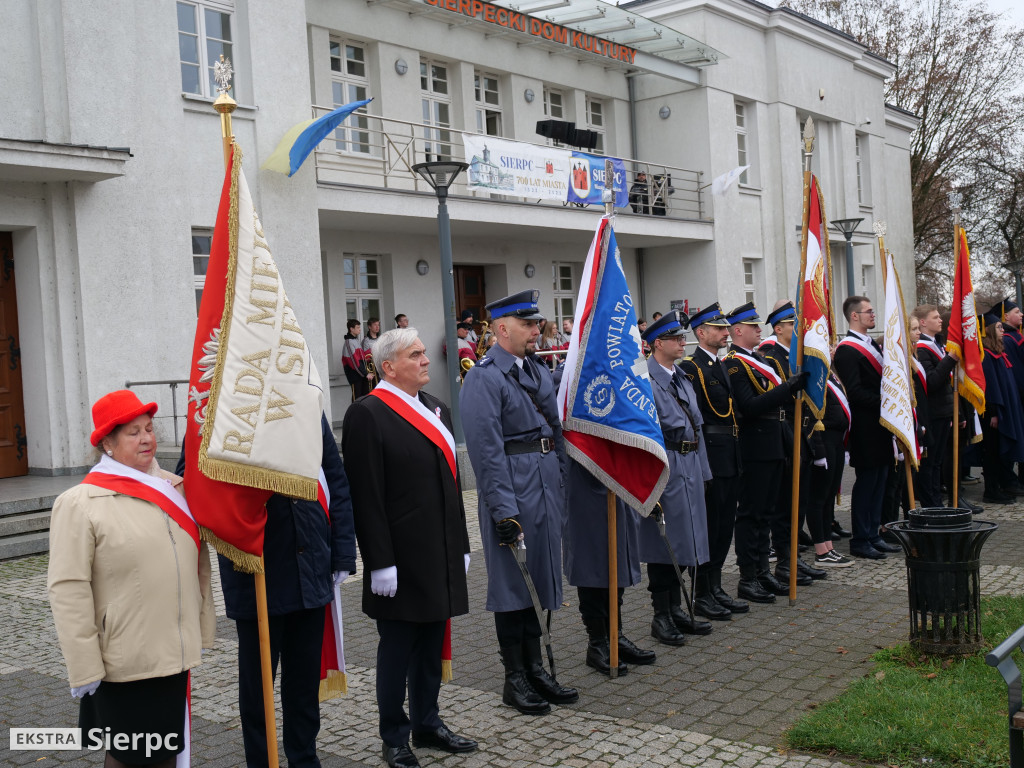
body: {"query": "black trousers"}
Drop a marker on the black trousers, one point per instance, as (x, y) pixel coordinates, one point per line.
(516, 627)
(819, 486)
(782, 515)
(661, 577)
(866, 501)
(594, 603)
(929, 485)
(721, 498)
(759, 491)
(296, 640)
(408, 654)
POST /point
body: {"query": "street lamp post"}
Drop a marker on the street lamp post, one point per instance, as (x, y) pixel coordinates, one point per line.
(1016, 269)
(848, 227)
(440, 175)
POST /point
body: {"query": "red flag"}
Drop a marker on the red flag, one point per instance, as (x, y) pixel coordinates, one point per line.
(963, 336)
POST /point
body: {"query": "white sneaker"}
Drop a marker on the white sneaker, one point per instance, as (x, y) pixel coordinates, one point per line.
(832, 559)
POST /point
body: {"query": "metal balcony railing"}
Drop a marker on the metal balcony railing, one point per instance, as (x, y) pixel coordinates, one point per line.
(369, 150)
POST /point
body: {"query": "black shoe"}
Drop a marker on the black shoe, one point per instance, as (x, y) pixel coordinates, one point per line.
(997, 498)
(726, 601)
(869, 552)
(975, 508)
(518, 693)
(599, 658)
(630, 653)
(838, 530)
(884, 546)
(771, 584)
(687, 625)
(540, 680)
(400, 757)
(782, 575)
(810, 570)
(444, 739)
(751, 589)
(665, 631)
(709, 608)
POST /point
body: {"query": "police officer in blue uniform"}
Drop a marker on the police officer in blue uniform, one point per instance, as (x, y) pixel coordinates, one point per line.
(682, 501)
(514, 438)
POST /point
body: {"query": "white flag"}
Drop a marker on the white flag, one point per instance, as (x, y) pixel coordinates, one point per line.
(897, 413)
(723, 182)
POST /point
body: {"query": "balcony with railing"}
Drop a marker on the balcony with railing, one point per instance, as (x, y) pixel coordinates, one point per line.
(370, 151)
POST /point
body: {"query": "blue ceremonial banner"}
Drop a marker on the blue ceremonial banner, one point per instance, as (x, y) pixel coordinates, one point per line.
(586, 179)
(609, 419)
(302, 138)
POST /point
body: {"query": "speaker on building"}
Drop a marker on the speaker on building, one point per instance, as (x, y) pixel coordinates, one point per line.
(585, 139)
(559, 130)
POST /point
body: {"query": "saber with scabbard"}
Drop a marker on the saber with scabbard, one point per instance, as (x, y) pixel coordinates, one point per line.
(519, 552)
(659, 519)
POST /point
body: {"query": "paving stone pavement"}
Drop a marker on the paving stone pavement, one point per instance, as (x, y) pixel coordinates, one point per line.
(722, 700)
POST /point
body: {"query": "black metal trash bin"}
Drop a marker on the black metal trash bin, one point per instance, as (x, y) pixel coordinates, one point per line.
(943, 550)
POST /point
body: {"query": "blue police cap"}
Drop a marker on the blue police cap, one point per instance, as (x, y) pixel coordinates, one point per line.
(710, 315)
(522, 304)
(672, 323)
(783, 314)
(745, 313)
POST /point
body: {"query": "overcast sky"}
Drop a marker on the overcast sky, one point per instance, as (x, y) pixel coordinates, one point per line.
(1015, 9)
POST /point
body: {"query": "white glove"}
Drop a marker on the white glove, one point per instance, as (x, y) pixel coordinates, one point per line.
(384, 581)
(899, 457)
(339, 576)
(823, 463)
(86, 690)
(466, 556)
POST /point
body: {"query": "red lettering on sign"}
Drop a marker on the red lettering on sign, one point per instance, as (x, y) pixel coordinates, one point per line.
(489, 13)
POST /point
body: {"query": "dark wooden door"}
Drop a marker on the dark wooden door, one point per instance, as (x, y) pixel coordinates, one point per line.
(469, 291)
(13, 442)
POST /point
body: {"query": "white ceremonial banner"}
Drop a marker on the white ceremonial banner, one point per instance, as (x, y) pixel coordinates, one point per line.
(897, 414)
(515, 168)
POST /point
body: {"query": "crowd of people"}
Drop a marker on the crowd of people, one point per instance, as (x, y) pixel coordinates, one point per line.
(728, 427)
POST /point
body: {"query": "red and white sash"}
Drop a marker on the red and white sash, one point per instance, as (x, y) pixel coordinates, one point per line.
(765, 370)
(771, 341)
(920, 374)
(843, 402)
(115, 476)
(931, 346)
(423, 420)
(866, 348)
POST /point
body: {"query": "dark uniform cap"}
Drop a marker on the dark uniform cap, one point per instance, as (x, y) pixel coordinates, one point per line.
(1004, 306)
(783, 314)
(464, 327)
(710, 315)
(745, 313)
(522, 304)
(672, 323)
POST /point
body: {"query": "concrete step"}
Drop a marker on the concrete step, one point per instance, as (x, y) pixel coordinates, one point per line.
(24, 544)
(28, 522)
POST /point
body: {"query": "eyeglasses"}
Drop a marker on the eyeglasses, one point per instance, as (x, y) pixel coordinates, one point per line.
(865, 312)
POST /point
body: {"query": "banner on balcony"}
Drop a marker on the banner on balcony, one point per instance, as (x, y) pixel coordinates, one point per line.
(515, 168)
(586, 180)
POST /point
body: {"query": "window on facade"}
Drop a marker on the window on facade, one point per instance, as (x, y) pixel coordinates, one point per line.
(742, 155)
(596, 122)
(204, 33)
(867, 280)
(201, 241)
(488, 104)
(554, 102)
(436, 104)
(349, 83)
(860, 147)
(748, 280)
(565, 287)
(362, 287)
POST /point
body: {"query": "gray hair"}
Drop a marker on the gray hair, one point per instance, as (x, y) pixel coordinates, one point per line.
(390, 343)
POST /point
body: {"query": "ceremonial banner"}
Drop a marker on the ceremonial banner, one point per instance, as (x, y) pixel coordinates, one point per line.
(255, 398)
(963, 335)
(720, 184)
(302, 138)
(586, 180)
(609, 419)
(898, 400)
(814, 306)
(516, 168)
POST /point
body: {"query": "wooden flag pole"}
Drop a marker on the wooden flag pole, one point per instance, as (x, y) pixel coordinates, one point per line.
(613, 591)
(955, 200)
(225, 105)
(794, 517)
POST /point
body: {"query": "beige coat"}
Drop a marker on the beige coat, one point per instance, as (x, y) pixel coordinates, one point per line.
(129, 590)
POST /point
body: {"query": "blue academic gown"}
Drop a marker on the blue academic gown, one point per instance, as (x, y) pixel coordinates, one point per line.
(498, 409)
(1003, 400)
(686, 521)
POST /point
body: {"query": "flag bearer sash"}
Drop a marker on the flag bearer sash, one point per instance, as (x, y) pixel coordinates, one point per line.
(865, 348)
(765, 370)
(420, 418)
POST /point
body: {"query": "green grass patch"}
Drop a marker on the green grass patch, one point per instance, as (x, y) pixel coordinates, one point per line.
(913, 709)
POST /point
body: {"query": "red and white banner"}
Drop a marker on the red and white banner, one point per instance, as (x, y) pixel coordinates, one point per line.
(963, 335)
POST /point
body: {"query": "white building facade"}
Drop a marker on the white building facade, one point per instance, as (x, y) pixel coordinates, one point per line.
(111, 169)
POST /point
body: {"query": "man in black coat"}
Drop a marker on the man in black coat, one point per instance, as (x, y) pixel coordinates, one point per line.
(938, 367)
(858, 363)
(306, 552)
(411, 526)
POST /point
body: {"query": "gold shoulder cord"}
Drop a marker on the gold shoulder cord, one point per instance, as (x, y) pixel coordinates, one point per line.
(753, 379)
(704, 386)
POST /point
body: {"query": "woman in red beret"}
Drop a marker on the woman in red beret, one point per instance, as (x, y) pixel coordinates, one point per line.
(129, 586)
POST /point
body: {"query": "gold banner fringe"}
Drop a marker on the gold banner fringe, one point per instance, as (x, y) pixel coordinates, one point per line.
(285, 483)
(243, 561)
(334, 685)
(446, 670)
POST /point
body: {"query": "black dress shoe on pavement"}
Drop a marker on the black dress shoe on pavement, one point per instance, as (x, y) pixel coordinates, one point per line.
(725, 600)
(751, 589)
(809, 570)
(400, 757)
(542, 682)
(664, 630)
(687, 625)
(884, 546)
(782, 575)
(869, 552)
(709, 608)
(631, 653)
(839, 530)
(444, 739)
(975, 508)
(771, 584)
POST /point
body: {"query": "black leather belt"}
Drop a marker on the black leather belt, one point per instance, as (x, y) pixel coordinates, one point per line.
(710, 429)
(780, 416)
(684, 447)
(544, 445)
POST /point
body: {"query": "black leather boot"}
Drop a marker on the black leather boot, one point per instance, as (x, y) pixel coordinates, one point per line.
(771, 584)
(598, 650)
(518, 693)
(810, 570)
(782, 574)
(750, 588)
(663, 629)
(722, 597)
(705, 603)
(682, 619)
(541, 680)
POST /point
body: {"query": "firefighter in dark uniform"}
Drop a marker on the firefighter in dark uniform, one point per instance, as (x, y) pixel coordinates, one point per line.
(514, 438)
(759, 399)
(721, 436)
